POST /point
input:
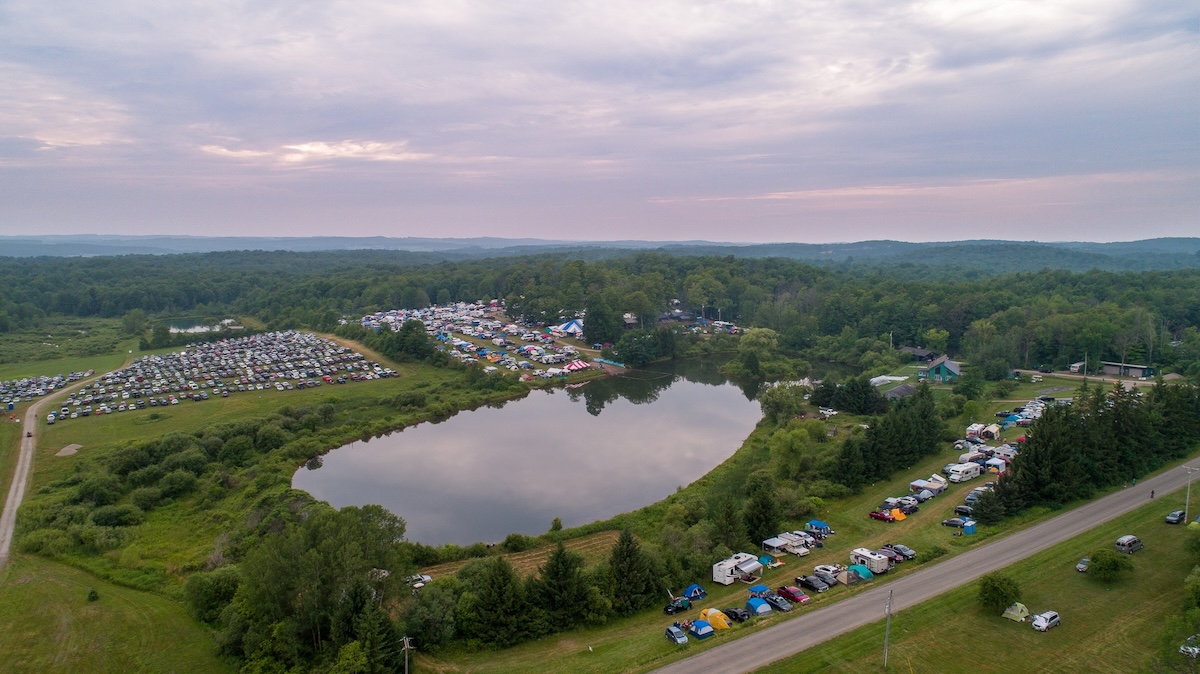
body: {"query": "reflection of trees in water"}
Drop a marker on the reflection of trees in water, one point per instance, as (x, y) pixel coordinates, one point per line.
(644, 386)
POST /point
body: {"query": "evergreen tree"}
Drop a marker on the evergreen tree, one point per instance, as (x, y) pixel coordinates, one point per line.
(762, 515)
(560, 589)
(487, 611)
(634, 583)
(727, 527)
(850, 468)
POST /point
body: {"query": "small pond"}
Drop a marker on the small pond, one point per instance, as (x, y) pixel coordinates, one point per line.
(583, 454)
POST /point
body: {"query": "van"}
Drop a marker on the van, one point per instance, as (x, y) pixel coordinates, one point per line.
(1129, 544)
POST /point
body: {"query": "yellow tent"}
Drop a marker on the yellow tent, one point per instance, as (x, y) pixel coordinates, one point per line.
(898, 515)
(715, 618)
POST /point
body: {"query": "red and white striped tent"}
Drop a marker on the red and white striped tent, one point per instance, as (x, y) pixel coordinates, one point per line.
(576, 365)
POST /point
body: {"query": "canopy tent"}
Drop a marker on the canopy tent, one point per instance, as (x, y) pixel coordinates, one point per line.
(576, 365)
(694, 592)
(766, 560)
(757, 606)
(1017, 612)
(819, 527)
(756, 590)
(714, 617)
(701, 629)
(774, 544)
(572, 327)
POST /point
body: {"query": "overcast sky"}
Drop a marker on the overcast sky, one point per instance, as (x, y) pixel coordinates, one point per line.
(727, 120)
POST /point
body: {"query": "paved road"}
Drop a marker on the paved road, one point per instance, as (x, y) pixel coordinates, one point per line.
(16, 490)
(793, 636)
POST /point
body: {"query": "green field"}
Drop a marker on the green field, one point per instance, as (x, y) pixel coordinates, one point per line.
(62, 338)
(1105, 628)
(49, 626)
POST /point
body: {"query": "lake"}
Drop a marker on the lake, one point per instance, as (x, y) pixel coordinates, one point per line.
(608, 447)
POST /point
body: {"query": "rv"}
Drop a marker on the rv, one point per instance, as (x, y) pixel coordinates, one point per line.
(964, 471)
(740, 566)
(874, 561)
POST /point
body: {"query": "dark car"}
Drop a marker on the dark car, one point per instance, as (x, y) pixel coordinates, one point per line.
(909, 508)
(777, 602)
(826, 578)
(891, 554)
(1175, 517)
(812, 582)
(793, 593)
(904, 550)
(1003, 413)
(737, 615)
(963, 510)
(677, 605)
(956, 522)
(881, 515)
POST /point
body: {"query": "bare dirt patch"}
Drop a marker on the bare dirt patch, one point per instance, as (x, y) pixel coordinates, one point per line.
(68, 450)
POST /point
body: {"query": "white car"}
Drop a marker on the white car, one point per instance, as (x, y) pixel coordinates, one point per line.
(1044, 621)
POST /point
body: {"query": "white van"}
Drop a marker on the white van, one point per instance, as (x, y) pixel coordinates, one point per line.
(1129, 544)
(963, 472)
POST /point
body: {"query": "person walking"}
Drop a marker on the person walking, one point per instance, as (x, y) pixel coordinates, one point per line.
(1151, 493)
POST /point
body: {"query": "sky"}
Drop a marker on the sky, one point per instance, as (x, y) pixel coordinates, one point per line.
(729, 120)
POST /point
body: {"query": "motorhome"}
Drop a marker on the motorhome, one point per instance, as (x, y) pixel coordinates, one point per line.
(741, 566)
(963, 472)
(874, 561)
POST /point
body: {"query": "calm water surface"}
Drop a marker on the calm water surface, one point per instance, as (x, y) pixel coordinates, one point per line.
(583, 454)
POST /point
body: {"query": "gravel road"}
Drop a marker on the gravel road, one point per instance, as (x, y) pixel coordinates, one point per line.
(793, 636)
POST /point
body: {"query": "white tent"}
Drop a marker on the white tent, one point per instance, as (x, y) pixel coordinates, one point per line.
(572, 327)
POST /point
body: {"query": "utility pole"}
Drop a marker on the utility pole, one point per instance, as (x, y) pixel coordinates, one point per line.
(887, 632)
(407, 646)
(1188, 499)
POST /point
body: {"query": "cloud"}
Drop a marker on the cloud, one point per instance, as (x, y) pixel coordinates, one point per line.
(56, 113)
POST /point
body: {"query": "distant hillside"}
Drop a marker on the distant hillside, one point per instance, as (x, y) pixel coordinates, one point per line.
(975, 257)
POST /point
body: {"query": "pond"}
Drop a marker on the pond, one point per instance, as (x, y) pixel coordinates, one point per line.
(610, 446)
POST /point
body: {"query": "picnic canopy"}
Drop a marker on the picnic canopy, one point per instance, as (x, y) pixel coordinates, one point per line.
(572, 327)
(701, 629)
(1017, 612)
(756, 590)
(576, 365)
(757, 606)
(694, 592)
(715, 618)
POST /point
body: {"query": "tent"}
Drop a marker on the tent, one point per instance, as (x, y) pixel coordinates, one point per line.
(694, 592)
(1017, 612)
(714, 617)
(925, 495)
(760, 589)
(757, 606)
(819, 527)
(572, 327)
(767, 561)
(750, 567)
(774, 544)
(576, 365)
(861, 571)
(701, 629)
(898, 514)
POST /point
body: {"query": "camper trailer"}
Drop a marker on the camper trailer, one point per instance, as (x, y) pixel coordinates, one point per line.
(740, 566)
(874, 561)
(964, 471)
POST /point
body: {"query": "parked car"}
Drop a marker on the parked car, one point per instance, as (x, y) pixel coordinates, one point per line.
(831, 569)
(909, 508)
(418, 579)
(737, 615)
(826, 578)
(1175, 517)
(946, 468)
(812, 582)
(1044, 621)
(891, 554)
(677, 605)
(956, 522)
(793, 593)
(777, 602)
(963, 510)
(882, 516)
(676, 635)
(1191, 646)
(908, 552)
(1082, 566)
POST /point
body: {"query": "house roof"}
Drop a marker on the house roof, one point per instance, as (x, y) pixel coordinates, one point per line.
(950, 365)
(916, 351)
(902, 391)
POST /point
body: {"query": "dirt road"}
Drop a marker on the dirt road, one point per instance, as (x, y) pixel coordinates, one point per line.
(791, 637)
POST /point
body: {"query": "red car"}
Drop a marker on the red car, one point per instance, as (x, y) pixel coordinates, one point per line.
(885, 516)
(793, 593)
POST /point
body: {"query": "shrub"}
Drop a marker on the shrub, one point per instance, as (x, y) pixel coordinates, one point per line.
(93, 595)
(930, 554)
(145, 497)
(145, 476)
(208, 593)
(194, 461)
(48, 542)
(100, 489)
(518, 543)
(124, 515)
(177, 483)
(1106, 565)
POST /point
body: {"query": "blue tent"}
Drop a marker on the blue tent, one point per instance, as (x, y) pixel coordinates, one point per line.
(756, 590)
(819, 527)
(766, 560)
(694, 592)
(861, 571)
(1013, 418)
(701, 629)
(757, 606)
